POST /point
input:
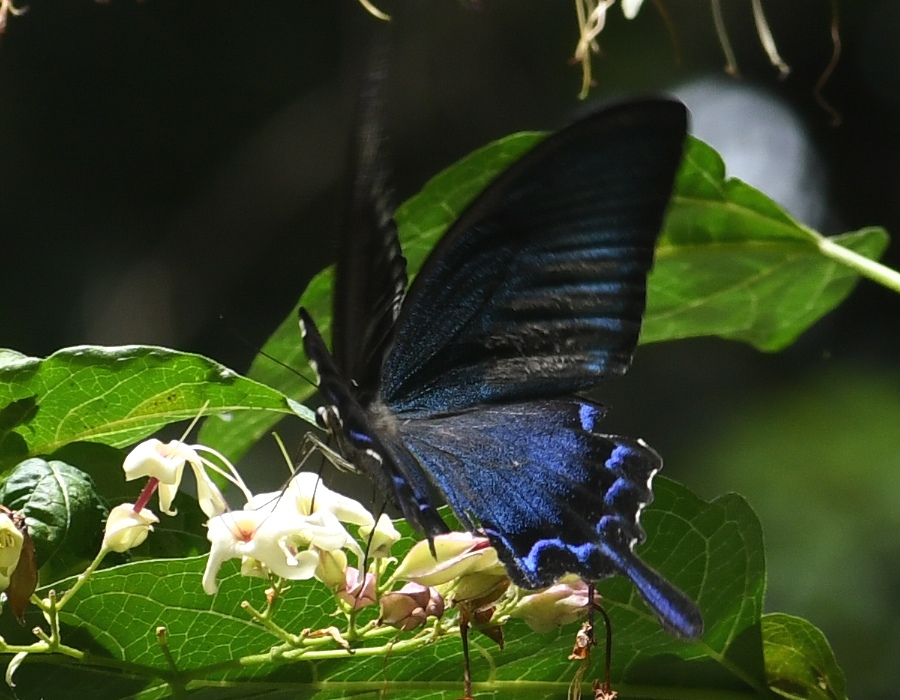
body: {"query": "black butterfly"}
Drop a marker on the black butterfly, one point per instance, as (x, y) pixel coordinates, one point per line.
(464, 384)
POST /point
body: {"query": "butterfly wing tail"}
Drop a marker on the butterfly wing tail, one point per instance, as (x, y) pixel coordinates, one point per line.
(677, 613)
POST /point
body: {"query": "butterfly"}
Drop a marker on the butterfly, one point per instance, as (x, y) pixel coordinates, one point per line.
(463, 387)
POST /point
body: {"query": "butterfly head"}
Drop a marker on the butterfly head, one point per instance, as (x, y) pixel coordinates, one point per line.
(329, 418)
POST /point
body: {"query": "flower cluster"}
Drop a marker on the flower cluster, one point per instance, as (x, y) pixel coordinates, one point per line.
(297, 534)
(304, 532)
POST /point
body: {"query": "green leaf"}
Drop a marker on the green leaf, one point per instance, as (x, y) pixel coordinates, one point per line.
(730, 263)
(63, 510)
(14, 414)
(799, 662)
(115, 396)
(711, 550)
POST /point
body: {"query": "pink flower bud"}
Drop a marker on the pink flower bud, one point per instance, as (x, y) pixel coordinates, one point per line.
(410, 607)
(355, 592)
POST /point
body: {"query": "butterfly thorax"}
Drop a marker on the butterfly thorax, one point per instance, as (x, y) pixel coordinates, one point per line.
(367, 436)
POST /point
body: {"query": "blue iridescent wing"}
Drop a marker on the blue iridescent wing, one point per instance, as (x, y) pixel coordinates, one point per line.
(539, 288)
(553, 495)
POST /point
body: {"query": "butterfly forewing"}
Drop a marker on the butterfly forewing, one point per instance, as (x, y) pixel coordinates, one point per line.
(539, 288)
(370, 279)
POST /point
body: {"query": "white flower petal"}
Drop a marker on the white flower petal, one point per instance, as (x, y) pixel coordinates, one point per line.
(309, 492)
(300, 567)
(166, 496)
(152, 458)
(211, 501)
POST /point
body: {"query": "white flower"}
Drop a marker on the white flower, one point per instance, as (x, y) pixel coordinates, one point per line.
(165, 462)
(126, 529)
(11, 540)
(312, 495)
(285, 543)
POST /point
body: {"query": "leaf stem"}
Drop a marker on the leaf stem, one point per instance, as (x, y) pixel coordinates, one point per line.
(866, 267)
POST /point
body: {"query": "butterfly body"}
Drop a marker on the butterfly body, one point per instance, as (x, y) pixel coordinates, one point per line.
(463, 389)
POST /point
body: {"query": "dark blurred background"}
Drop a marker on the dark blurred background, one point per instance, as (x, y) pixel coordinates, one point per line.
(164, 163)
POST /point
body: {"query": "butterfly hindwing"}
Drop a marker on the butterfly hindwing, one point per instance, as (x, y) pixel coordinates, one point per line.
(539, 288)
(552, 494)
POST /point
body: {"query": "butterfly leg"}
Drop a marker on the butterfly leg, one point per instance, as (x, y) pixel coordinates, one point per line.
(605, 687)
(313, 443)
(467, 667)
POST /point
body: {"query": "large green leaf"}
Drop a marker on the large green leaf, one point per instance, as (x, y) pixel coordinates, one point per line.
(712, 550)
(114, 396)
(730, 262)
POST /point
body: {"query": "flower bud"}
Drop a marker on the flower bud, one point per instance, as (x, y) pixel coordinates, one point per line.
(357, 593)
(455, 554)
(126, 529)
(410, 607)
(555, 606)
(382, 539)
(332, 568)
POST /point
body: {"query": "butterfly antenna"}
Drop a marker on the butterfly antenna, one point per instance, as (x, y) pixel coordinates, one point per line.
(312, 501)
(246, 342)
